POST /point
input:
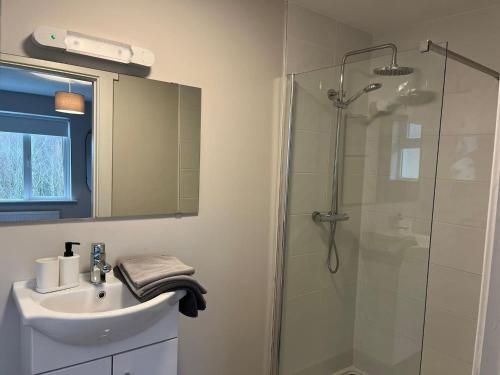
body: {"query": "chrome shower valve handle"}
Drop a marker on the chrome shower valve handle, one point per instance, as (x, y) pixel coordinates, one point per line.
(329, 217)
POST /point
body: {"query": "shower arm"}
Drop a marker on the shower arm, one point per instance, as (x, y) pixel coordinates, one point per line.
(392, 46)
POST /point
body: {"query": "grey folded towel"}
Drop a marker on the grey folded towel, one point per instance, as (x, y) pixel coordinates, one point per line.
(189, 305)
(145, 270)
(150, 276)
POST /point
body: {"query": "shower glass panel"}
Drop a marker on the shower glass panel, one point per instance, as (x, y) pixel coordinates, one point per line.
(368, 317)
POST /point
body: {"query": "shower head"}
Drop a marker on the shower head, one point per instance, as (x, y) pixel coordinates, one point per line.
(372, 87)
(393, 70)
(369, 88)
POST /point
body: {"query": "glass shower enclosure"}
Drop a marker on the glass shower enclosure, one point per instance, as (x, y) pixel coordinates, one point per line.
(362, 157)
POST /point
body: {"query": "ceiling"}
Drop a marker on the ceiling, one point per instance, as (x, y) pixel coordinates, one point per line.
(376, 16)
(33, 82)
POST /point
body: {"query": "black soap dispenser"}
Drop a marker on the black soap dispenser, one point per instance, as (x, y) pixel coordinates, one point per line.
(69, 266)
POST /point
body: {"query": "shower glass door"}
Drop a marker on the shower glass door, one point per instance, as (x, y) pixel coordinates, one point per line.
(367, 318)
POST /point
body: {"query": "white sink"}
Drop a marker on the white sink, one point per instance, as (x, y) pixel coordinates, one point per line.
(90, 314)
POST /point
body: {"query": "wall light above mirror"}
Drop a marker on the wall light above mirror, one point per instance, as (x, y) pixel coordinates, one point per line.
(121, 147)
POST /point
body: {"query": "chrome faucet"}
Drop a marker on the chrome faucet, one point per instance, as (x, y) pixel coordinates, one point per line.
(98, 266)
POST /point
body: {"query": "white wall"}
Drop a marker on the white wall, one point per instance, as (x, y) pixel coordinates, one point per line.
(233, 51)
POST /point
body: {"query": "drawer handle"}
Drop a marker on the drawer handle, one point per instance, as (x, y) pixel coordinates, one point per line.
(128, 373)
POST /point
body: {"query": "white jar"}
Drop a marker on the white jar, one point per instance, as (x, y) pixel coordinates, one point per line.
(47, 274)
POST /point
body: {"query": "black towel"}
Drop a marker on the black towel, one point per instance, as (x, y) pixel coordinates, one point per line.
(189, 305)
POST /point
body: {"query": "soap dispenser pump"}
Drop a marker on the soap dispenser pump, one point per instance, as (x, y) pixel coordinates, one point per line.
(69, 266)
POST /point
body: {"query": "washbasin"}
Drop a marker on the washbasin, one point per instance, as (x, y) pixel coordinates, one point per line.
(90, 314)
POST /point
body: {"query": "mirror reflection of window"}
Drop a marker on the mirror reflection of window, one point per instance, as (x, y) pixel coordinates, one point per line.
(406, 151)
(42, 145)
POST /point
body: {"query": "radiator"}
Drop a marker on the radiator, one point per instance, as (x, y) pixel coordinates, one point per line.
(28, 215)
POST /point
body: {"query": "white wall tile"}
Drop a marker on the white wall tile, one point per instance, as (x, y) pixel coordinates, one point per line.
(354, 164)
(462, 203)
(305, 274)
(474, 34)
(309, 113)
(388, 269)
(311, 40)
(355, 137)
(385, 350)
(454, 291)
(404, 197)
(435, 362)
(391, 311)
(477, 117)
(308, 193)
(309, 321)
(315, 41)
(304, 235)
(458, 247)
(349, 39)
(310, 152)
(465, 157)
(450, 334)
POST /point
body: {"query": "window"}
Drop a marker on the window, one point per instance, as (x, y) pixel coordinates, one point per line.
(406, 145)
(35, 158)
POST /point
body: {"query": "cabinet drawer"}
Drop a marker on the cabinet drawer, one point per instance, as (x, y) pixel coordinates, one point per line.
(157, 359)
(99, 367)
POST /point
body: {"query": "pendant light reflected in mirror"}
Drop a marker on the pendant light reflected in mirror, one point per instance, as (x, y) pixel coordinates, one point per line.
(69, 102)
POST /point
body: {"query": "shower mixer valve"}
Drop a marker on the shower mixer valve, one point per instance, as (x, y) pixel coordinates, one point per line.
(319, 217)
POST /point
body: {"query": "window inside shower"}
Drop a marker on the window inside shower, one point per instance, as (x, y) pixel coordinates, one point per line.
(405, 159)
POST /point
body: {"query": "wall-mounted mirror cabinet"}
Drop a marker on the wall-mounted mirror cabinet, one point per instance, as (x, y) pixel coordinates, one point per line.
(81, 143)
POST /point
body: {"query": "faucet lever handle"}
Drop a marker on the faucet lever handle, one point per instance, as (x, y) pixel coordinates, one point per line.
(98, 248)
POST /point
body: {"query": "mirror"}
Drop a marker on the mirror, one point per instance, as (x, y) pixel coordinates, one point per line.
(156, 147)
(68, 151)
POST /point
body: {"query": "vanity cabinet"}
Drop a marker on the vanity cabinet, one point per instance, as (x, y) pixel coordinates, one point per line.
(156, 359)
(100, 367)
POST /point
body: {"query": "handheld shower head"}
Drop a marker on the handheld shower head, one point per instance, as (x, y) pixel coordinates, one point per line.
(372, 87)
(369, 88)
(393, 70)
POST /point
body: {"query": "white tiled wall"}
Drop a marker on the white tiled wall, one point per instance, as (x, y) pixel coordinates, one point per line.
(464, 167)
(316, 41)
(396, 221)
(318, 317)
(391, 288)
(462, 194)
